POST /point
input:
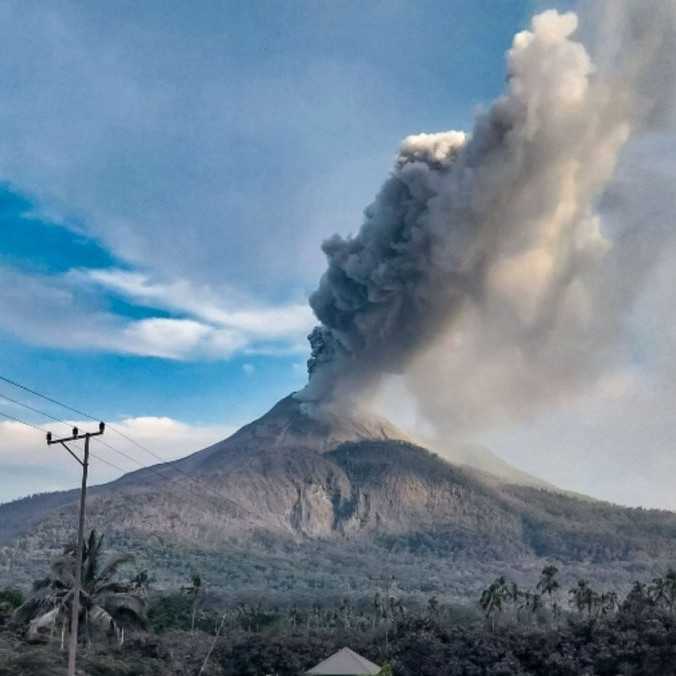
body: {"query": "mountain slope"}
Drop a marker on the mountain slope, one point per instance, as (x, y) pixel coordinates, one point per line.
(326, 489)
(484, 460)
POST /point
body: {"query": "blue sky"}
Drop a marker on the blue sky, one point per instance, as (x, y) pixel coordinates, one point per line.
(168, 171)
(215, 147)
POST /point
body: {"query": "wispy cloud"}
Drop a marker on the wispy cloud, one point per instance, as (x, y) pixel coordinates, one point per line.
(202, 302)
(66, 312)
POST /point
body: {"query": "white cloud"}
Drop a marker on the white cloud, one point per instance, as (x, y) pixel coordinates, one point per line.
(178, 339)
(66, 312)
(28, 465)
(202, 302)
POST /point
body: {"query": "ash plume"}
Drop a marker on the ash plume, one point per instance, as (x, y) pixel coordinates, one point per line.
(484, 271)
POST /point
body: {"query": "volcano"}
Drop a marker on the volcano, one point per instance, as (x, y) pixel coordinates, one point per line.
(322, 487)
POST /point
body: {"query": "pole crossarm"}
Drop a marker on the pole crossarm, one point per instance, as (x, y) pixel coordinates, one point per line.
(76, 435)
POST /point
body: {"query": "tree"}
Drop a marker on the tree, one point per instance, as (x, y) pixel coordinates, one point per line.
(584, 598)
(10, 600)
(194, 593)
(638, 600)
(141, 581)
(531, 602)
(493, 599)
(105, 604)
(670, 580)
(433, 607)
(663, 590)
(549, 585)
(608, 603)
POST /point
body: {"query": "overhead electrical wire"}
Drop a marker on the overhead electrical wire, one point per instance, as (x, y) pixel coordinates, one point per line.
(41, 431)
(178, 489)
(156, 470)
(72, 409)
(112, 428)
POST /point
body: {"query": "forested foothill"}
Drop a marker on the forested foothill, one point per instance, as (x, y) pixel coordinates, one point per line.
(130, 627)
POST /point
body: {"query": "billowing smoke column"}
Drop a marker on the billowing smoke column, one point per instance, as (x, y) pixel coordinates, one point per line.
(481, 271)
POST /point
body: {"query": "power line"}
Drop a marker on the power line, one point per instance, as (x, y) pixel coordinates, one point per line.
(172, 467)
(41, 431)
(82, 413)
(111, 447)
(187, 493)
(22, 422)
(94, 418)
(156, 470)
(107, 462)
(44, 396)
(35, 410)
(63, 422)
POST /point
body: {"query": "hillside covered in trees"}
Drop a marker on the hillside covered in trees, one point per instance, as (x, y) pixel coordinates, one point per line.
(297, 522)
(507, 631)
(266, 552)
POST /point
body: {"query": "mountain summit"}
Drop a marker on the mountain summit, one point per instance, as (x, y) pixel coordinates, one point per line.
(293, 424)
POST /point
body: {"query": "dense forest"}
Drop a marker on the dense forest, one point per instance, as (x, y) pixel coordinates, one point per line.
(128, 627)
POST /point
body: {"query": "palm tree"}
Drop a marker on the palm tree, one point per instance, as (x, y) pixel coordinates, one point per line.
(638, 599)
(549, 585)
(493, 599)
(531, 602)
(608, 603)
(548, 582)
(105, 604)
(584, 597)
(663, 590)
(670, 591)
(141, 581)
(514, 592)
(194, 592)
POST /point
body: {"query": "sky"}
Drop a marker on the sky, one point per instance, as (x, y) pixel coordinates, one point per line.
(168, 171)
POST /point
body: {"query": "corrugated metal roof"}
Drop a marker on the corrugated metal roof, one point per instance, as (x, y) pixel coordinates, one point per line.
(346, 662)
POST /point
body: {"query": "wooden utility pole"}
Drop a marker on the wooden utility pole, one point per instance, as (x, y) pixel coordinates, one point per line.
(84, 463)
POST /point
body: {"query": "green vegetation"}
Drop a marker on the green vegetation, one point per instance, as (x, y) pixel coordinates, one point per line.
(107, 605)
(367, 508)
(550, 628)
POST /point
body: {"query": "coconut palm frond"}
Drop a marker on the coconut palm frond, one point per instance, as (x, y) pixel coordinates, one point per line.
(100, 618)
(127, 603)
(62, 571)
(127, 610)
(105, 603)
(111, 588)
(28, 610)
(112, 565)
(45, 621)
(40, 603)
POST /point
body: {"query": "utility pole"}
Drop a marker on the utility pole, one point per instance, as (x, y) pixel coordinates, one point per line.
(84, 463)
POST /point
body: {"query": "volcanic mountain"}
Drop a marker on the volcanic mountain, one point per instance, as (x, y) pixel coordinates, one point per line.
(295, 493)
